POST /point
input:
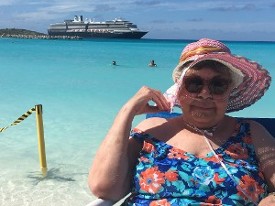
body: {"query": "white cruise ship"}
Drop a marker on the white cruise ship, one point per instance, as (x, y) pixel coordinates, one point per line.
(117, 28)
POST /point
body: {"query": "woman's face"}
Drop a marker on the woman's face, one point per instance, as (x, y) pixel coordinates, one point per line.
(204, 95)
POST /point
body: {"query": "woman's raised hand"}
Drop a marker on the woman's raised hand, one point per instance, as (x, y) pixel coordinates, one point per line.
(140, 101)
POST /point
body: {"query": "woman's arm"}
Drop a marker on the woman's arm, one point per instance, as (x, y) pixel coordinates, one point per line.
(111, 172)
(109, 176)
(264, 145)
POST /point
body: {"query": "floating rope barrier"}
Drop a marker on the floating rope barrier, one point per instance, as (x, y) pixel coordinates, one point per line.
(19, 119)
(40, 134)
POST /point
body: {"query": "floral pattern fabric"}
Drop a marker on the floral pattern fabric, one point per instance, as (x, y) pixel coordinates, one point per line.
(168, 176)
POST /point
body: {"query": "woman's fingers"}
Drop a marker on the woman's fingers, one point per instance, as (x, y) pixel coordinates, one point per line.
(144, 96)
(160, 101)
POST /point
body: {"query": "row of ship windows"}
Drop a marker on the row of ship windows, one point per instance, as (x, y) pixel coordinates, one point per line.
(59, 27)
(91, 26)
(91, 30)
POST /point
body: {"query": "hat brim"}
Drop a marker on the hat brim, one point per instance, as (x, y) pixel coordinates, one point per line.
(250, 79)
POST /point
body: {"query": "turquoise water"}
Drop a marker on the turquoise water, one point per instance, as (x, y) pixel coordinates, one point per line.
(81, 92)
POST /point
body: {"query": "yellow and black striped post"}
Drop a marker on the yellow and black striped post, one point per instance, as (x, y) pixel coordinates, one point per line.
(41, 141)
(40, 134)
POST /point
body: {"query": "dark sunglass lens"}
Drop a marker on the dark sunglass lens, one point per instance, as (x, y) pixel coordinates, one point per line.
(193, 84)
(218, 86)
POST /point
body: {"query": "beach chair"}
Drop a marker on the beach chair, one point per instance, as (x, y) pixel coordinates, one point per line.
(268, 123)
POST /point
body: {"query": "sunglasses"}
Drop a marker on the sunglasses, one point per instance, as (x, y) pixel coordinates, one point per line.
(217, 86)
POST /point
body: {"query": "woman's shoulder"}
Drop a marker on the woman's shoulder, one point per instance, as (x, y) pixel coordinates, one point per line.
(262, 140)
(151, 123)
(256, 128)
(259, 133)
(159, 128)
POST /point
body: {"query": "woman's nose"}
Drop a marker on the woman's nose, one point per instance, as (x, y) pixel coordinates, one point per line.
(205, 93)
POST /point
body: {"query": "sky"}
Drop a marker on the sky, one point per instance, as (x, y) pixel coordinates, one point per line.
(237, 20)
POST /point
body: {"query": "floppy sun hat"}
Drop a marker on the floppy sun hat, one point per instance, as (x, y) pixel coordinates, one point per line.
(250, 80)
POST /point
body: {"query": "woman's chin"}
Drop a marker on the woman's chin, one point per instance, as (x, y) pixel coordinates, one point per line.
(203, 118)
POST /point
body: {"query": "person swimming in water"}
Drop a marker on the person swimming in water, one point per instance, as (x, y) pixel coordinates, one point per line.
(152, 63)
(114, 63)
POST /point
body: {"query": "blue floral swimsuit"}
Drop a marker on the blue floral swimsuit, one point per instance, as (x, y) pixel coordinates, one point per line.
(166, 175)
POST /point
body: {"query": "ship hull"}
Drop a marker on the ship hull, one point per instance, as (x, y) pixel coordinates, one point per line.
(109, 35)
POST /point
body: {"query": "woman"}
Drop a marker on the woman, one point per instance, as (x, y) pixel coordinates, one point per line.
(202, 157)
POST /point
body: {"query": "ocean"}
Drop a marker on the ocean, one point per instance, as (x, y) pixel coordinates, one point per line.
(81, 92)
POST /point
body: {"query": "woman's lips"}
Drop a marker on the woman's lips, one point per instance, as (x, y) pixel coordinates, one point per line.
(203, 105)
(199, 108)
